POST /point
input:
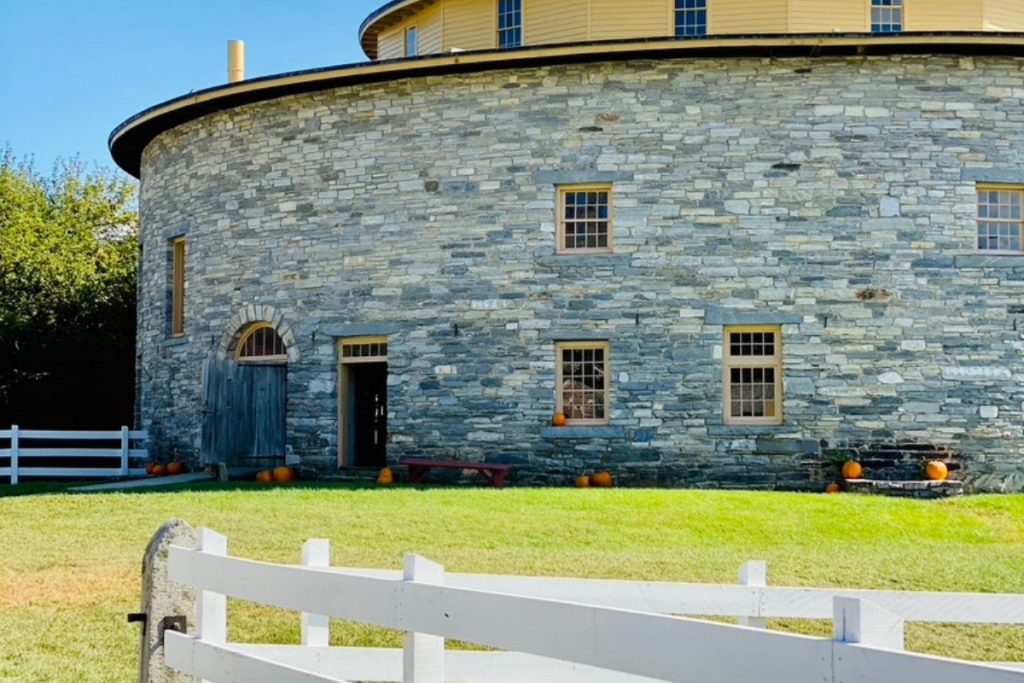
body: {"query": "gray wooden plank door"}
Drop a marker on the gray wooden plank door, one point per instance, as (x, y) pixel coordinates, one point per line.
(244, 412)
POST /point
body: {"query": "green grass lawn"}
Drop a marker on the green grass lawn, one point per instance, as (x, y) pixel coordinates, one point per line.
(69, 564)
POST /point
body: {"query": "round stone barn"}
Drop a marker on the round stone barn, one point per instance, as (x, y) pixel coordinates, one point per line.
(732, 242)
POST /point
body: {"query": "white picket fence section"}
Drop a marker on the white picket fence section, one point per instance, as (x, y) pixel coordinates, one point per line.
(121, 457)
(562, 630)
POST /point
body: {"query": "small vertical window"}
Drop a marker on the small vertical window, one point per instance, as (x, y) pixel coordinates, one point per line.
(178, 287)
(584, 219)
(1000, 218)
(691, 18)
(886, 16)
(411, 42)
(510, 24)
(753, 375)
(582, 392)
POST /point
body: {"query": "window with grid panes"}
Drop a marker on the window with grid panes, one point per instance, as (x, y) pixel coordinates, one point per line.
(753, 375)
(510, 24)
(585, 218)
(691, 18)
(1000, 218)
(261, 344)
(886, 16)
(364, 350)
(581, 390)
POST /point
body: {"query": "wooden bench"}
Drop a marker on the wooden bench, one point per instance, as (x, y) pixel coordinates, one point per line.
(493, 472)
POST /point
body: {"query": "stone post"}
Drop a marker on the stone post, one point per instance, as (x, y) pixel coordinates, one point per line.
(162, 598)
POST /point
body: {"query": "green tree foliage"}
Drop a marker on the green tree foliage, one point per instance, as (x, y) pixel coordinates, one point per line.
(68, 261)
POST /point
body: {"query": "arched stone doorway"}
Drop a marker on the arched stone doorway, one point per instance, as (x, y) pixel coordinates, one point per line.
(245, 392)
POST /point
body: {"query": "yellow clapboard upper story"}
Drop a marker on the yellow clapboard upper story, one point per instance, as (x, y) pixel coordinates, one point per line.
(409, 28)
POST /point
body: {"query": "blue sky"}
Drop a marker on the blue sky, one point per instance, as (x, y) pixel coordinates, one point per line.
(72, 70)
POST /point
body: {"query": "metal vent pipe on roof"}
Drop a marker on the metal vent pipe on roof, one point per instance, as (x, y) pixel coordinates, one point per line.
(236, 61)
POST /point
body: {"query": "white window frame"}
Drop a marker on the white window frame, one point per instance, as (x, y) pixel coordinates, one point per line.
(895, 11)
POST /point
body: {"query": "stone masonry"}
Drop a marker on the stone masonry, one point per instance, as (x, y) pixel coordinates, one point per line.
(832, 196)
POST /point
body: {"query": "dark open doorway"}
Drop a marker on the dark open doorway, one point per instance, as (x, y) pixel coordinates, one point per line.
(363, 402)
(367, 428)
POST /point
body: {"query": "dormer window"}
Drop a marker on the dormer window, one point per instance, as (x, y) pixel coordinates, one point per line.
(886, 16)
(691, 18)
(510, 24)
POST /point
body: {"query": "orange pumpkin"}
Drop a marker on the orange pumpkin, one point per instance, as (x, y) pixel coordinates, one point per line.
(283, 475)
(558, 420)
(159, 470)
(852, 470)
(176, 467)
(602, 480)
(832, 488)
(265, 477)
(583, 482)
(150, 466)
(936, 470)
(386, 477)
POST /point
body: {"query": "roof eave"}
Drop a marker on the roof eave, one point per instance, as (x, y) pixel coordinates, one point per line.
(128, 141)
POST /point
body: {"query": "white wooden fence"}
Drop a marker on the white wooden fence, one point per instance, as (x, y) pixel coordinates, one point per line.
(561, 630)
(121, 457)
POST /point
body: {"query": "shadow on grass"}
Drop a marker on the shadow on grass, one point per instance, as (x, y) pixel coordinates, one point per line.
(41, 488)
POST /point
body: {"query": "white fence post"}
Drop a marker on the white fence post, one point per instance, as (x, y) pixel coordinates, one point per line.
(124, 451)
(423, 655)
(754, 574)
(212, 608)
(316, 628)
(859, 621)
(14, 454)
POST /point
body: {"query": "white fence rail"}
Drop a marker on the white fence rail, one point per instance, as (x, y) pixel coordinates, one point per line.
(120, 456)
(743, 600)
(557, 629)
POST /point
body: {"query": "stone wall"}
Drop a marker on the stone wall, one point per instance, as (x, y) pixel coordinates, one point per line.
(835, 197)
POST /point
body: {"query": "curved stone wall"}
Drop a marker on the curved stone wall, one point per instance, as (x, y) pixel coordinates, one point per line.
(835, 197)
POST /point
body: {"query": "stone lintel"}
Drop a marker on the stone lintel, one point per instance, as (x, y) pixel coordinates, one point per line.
(365, 330)
(716, 315)
(993, 175)
(580, 177)
(177, 231)
(578, 335)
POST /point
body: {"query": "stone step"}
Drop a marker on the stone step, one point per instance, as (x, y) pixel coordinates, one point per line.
(906, 489)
